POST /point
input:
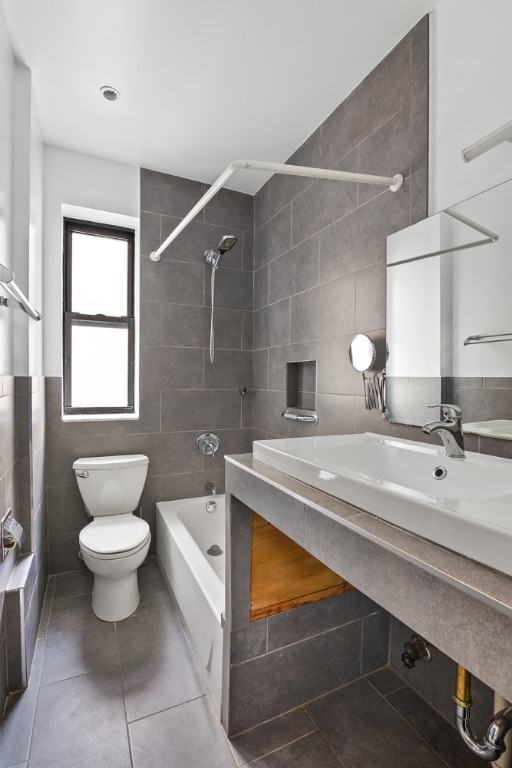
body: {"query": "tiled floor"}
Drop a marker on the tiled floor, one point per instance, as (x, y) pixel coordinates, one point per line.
(130, 695)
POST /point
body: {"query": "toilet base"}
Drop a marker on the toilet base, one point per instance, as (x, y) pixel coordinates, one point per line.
(114, 599)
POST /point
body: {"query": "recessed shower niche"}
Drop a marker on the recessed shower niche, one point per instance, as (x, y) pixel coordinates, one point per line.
(301, 384)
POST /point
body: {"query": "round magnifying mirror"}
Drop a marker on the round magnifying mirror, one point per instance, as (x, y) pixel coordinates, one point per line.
(361, 353)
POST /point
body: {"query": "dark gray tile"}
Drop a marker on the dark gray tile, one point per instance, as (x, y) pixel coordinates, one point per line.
(272, 325)
(419, 195)
(375, 641)
(249, 642)
(291, 353)
(72, 585)
(172, 281)
(150, 236)
(70, 730)
(188, 326)
(63, 552)
(233, 288)
(294, 679)
(171, 195)
(381, 94)
(324, 311)
(260, 368)
(295, 271)
(324, 202)
(184, 410)
(283, 189)
(371, 298)
(420, 93)
(231, 209)
(61, 453)
(180, 368)
(267, 409)
(189, 735)
(154, 594)
(262, 206)
(372, 733)
(248, 251)
(231, 369)
(272, 735)
(18, 717)
(273, 238)
(149, 322)
(359, 239)
(385, 681)
(157, 664)
(77, 641)
(440, 735)
(386, 152)
(190, 485)
(261, 287)
(308, 620)
(308, 751)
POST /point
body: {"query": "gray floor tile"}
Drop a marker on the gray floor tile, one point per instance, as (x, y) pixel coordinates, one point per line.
(443, 739)
(157, 664)
(272, 735)
(77, 642)
(363, 730)
(310, 751)
(16, 728)
(386, 681)
(80, 722)
(73, 584)
(188, 736)
(153, 589)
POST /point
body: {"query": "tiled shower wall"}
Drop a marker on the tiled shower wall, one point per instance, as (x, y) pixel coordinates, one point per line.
(182, 394)
(22, 484)
(320, 246)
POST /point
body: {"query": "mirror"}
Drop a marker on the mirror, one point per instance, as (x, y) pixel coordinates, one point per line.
(362, 353)
(449, 314)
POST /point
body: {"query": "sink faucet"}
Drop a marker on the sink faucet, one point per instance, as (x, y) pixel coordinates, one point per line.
(450, 430)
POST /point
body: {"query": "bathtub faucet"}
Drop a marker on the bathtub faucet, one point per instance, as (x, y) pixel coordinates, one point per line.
(211, 489)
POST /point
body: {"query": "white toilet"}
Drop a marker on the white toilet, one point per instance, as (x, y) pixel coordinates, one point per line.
(116, 543)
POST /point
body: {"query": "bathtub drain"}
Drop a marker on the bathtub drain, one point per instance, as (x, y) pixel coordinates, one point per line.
(214, 550)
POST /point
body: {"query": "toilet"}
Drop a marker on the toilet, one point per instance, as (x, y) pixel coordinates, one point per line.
(116, 542)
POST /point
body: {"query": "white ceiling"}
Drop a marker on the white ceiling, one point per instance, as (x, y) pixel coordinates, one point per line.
(202, 82)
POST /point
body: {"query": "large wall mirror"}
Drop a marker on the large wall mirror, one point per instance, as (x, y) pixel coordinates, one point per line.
(449, 315)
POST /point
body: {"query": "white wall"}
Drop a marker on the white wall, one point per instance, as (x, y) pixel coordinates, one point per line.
(471, 69)
(74, 179)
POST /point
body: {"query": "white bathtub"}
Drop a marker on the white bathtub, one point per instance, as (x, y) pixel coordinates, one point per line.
(184, 533)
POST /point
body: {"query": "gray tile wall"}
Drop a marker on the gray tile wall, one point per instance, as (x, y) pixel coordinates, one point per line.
(320, 245)
(181, 393)
(279, 662)
(22, 489)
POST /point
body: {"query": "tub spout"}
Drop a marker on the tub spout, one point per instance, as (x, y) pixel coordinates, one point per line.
(492, 746)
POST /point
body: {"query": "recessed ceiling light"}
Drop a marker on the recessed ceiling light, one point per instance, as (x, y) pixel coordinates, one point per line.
(109, 93)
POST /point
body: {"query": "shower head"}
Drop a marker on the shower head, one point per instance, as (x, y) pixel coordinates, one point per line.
(225, 244)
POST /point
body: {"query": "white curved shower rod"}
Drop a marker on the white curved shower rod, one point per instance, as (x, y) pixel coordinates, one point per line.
(393, 182)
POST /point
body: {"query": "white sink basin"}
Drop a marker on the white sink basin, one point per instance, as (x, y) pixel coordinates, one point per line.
(469, 510)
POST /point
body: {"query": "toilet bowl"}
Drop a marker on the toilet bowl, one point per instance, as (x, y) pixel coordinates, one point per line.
(116, 542)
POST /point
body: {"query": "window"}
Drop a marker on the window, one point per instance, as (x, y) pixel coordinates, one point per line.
(98, 318)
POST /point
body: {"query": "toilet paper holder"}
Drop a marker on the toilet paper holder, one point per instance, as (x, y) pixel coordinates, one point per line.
(11, 534)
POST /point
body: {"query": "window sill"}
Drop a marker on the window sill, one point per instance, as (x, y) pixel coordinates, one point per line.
(100, 417)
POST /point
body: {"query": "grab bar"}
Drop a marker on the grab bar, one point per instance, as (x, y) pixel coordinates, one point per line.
(7, 282)
(489, 339)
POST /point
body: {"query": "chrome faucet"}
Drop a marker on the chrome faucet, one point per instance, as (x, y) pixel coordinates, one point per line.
(450, 430)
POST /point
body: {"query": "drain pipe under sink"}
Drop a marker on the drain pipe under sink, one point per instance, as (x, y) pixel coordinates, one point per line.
(492, 746)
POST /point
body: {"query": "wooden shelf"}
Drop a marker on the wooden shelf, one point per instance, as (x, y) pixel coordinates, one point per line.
(284, 575)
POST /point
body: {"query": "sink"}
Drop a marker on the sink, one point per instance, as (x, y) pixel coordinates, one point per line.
(462, 504)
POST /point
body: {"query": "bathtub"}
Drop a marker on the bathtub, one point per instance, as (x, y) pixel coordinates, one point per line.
(190, 546)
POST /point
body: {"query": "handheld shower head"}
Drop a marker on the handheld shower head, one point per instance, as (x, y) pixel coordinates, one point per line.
(225, 244)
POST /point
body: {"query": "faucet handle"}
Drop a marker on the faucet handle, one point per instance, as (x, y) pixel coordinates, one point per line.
(449, 411)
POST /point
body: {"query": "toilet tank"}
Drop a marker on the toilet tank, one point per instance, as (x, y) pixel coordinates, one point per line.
(111, 485)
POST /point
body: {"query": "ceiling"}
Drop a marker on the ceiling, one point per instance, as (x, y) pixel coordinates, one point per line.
(202, 82)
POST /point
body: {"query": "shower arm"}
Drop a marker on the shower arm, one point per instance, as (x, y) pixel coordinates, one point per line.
(393, 182)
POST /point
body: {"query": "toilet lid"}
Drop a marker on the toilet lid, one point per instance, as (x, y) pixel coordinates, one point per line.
(114, 533)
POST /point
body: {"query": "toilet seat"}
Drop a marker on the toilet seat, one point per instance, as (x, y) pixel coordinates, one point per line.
(114, 536)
